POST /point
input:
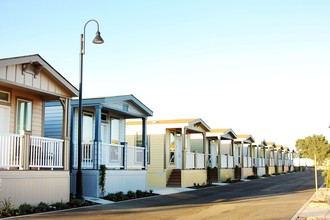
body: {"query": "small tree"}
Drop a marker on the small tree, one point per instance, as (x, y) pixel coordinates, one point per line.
(315, 145)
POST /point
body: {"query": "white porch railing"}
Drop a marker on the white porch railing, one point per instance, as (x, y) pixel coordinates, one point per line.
(224, 161)
(261, 162)
(245, 161)
(230, 161)
(200, 160)
(41, 152)
(135, 157)
(249, 162)
(271, 162)
(112, 156)
(190, 160)
(11, 150)
(46, 152)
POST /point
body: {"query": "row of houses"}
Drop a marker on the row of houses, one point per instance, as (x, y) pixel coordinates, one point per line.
(39, 151)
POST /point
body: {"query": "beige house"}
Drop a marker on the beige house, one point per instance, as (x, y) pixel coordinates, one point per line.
(259, 157)
(33, 168)
(243, 147)
(171, 161)
(222, 151)
(270, 155)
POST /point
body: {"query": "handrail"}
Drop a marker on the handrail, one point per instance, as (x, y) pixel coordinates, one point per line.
(169, 162)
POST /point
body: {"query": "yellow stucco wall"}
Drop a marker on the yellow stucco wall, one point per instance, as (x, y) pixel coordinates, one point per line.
(189, 177)
(246, 172)
(271, 170)
(226, 174)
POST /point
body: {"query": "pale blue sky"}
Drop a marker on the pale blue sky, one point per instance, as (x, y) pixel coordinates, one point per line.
(259, 67)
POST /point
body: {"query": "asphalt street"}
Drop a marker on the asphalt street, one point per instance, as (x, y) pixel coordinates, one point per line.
(275, 197)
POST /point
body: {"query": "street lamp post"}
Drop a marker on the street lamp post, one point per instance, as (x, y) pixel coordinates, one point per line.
(97, 40)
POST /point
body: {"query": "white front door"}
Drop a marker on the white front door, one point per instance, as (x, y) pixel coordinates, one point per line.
(178, 153)
(213, 154)
(4, 118)
(105, 134)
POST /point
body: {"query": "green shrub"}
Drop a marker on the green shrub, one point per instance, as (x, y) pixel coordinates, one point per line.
(120, 196)
(42, 207)
(25, 209)
(111, 197)
(139, 193)
(60, 205)
(7, 209)
(131, 195)
(75, 203)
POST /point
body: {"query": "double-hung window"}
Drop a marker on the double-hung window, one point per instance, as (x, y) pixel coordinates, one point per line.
(24, 115)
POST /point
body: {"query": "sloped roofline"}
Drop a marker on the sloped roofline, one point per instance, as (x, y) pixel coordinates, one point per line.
(119, 98)
(189, 121)
(223, 132)
(37, 58)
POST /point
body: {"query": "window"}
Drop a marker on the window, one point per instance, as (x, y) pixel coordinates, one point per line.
(24, 116)
(115, 130)
(87, 127)
(4, 96)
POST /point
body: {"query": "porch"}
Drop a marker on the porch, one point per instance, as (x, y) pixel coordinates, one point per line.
(113, 156)
(25, 152)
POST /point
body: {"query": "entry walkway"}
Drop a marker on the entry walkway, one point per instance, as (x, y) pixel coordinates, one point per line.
(317, 207)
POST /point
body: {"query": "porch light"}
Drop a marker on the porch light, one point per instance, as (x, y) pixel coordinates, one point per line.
(97, 40)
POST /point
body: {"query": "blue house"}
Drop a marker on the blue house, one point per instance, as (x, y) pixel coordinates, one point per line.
(104, 143)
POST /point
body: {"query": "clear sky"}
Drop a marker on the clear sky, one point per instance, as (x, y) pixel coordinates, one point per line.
(258, 67)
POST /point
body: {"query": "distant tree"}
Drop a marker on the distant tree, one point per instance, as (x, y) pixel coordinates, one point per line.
(314, 145)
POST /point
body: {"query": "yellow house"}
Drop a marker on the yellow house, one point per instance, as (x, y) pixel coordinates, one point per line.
(222, 154)
(171, 161)
(270, 162)
(259, 157)
(33, 168)
(243, 144)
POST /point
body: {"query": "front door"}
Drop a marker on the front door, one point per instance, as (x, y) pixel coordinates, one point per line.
(213, 154)
(4, 118)
(105, 134)
(178, 152)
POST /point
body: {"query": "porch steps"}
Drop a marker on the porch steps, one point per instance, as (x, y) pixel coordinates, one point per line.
(175, 179)
(214, 175)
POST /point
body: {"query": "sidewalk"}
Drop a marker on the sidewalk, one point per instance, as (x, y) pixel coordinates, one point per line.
(317, 207)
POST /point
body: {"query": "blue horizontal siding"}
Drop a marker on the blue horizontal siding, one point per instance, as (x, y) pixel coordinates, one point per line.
(53, 120)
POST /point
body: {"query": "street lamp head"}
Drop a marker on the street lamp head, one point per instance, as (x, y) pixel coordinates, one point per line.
(98, 39)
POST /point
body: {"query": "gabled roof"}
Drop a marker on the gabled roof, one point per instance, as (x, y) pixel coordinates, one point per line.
(262, 143)
(36, 58)
(113, 103)
(193, 124)
(246, 138)
(223, 133)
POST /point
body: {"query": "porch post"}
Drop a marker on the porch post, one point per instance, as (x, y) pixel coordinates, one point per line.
(65, 133)
(205, 151)
(72, 140)
(242, 154)
(219, 159)
(97, 141)
(144, 141)
(184, 148)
